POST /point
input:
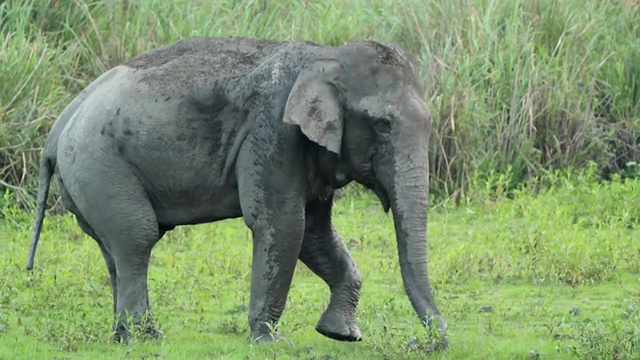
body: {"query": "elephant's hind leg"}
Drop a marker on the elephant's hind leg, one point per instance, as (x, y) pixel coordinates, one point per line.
(122, 218)
(132, 236)
(325, 254)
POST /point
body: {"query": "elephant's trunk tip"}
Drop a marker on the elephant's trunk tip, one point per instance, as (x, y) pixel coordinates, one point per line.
(32, 255)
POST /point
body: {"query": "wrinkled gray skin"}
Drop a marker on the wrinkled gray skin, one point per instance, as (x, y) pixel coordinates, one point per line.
(214, 128)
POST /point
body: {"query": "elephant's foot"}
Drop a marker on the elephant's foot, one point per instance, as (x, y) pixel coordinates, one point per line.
(123, 334)
(153, 333)
(265, 332)
(338, 326)
(260, 337)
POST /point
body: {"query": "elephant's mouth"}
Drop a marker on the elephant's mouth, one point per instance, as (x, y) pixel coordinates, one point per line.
(373, 184)
(382, 195)
(379, 190)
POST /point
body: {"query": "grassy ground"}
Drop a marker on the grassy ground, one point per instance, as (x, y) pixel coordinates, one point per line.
(552, 274)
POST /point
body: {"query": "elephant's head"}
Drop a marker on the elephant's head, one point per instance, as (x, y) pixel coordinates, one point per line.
(365, 106)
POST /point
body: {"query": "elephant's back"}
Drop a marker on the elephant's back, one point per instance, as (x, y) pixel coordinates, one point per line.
(197, 58)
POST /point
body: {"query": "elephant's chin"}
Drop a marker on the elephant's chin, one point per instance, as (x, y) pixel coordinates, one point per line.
(382, 195)
(373, 184)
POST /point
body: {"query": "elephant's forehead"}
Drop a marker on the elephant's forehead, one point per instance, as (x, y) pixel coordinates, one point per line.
(378, 76)
(377, 106)
(398, 104)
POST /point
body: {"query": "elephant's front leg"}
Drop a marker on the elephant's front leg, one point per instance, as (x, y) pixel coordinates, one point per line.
(277, 236)
(276, 219)
(325, 254)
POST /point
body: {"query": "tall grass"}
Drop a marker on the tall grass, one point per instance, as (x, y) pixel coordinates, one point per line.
(516, 87)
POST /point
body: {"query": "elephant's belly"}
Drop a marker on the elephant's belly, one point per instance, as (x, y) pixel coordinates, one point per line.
(200, 208)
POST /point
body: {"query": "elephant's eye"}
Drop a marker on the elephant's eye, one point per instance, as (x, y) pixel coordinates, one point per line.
(382, 125)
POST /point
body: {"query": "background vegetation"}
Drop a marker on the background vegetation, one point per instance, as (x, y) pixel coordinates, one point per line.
(516, 87)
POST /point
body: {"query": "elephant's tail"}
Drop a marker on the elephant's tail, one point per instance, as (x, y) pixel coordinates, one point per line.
(44, 180)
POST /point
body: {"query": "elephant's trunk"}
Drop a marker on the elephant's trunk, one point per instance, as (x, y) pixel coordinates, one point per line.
(408, 193)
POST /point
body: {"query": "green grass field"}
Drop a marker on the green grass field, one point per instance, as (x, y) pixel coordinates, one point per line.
(552, 274)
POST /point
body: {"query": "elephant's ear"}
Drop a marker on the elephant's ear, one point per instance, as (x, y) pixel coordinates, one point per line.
(314, 104)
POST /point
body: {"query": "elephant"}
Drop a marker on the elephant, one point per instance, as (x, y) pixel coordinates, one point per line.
(206, 129)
